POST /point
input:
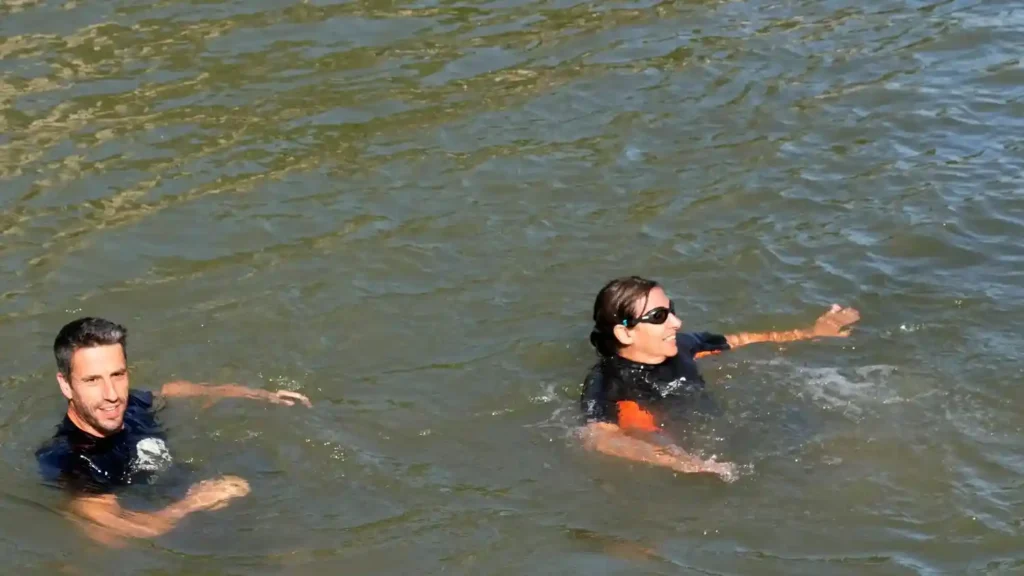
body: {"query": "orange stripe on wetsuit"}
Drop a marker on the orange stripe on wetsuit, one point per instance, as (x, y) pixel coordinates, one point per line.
(633, 417)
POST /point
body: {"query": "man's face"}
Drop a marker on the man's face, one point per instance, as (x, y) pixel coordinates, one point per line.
(98, 389)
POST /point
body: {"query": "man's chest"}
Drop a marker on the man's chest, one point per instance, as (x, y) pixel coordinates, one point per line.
(131, 459)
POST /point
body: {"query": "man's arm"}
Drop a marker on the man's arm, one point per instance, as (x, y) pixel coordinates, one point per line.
(831, 324)
(185, 389)
(109, 523)
(609, 439)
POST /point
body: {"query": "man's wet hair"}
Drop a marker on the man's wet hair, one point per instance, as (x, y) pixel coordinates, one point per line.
(615, 303)
(86, 333)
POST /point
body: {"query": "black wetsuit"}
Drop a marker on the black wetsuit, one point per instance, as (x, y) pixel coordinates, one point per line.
(635, 395)
(80, 461)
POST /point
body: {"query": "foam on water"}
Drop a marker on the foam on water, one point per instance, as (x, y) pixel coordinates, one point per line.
(850, 392)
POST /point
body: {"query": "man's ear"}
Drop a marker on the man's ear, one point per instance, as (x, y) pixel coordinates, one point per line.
(65, 386)
(623, 335)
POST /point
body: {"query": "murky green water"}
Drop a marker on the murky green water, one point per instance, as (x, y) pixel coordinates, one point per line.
(404, 210)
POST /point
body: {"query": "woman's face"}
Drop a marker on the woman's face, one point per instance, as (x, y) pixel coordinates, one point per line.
(647, 341)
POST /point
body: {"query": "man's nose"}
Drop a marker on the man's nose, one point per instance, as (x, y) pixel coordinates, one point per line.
(109, 391)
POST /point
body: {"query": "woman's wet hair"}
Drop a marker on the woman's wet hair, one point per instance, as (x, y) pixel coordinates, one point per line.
(86, 333)
(616, 302)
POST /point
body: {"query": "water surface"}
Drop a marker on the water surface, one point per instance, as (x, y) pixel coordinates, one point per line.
(404, 210)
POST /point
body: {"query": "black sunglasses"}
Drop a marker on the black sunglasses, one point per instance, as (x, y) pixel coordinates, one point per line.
(654, 316)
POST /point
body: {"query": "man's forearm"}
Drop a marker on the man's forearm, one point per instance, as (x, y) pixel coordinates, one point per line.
(106, 517)
(185, 389)
(109, 523)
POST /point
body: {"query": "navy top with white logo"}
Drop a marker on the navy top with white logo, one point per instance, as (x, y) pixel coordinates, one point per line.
(80, 461)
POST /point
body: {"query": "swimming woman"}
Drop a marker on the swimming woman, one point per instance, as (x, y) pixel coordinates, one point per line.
(647, 363)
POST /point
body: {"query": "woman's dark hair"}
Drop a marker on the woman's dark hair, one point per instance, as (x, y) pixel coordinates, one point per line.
(86, 333)
(614, 303)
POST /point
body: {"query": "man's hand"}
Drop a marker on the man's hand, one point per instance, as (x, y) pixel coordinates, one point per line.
(835, 322)
(215, 494)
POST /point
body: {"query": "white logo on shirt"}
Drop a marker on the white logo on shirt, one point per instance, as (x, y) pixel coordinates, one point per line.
(151, 455)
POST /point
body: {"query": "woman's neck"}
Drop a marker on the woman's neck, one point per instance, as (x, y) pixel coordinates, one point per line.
(641, 358)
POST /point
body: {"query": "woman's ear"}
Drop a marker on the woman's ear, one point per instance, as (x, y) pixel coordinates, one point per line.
(623, 335)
